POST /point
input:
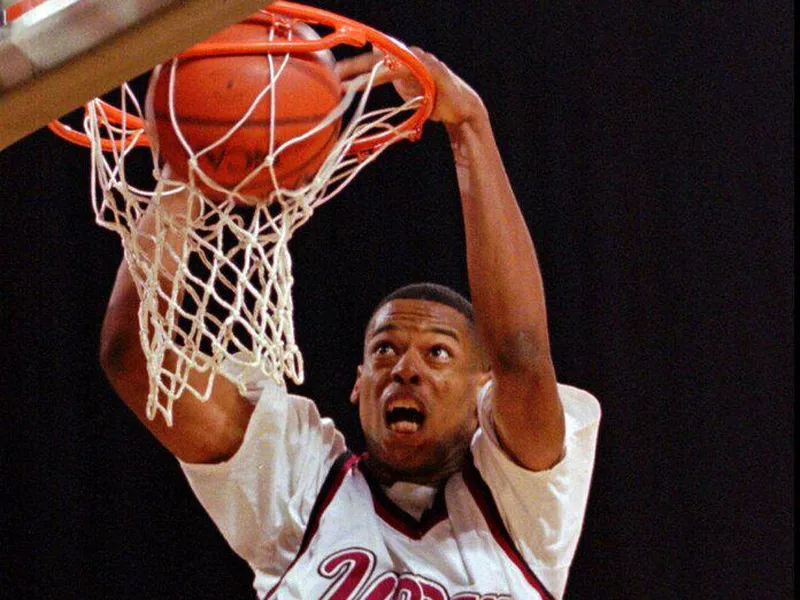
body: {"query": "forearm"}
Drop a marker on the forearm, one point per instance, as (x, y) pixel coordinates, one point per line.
(504, 277)
(508, 295)
(121, 351)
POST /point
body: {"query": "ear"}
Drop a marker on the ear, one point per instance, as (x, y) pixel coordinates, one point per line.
(354, 394)
(479, 381)
(482, 378)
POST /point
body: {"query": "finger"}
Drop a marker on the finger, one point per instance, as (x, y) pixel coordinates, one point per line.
(349, 68)
(361, 73)
(426, 58)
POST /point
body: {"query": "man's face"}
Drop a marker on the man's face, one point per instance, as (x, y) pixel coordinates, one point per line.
(417, 387)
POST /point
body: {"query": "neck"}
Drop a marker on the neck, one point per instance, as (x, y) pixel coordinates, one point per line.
(387, 475)
(434, 474)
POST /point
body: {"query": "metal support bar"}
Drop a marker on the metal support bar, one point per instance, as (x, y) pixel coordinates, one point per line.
(50, 70)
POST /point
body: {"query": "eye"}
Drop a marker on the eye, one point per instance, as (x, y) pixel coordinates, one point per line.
(440, 353)
(383, 349)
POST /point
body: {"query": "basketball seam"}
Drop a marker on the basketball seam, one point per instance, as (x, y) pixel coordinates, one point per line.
(300, 65)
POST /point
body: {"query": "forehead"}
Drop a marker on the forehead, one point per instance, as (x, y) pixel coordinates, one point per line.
(419, 315)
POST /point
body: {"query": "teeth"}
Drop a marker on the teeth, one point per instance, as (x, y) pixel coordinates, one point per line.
(403, 403)
(404, 427)
(404, 415)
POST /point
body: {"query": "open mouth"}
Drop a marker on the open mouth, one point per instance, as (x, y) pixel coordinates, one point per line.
(404, 417)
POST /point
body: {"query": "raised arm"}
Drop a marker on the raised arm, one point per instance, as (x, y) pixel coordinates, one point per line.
(507, 292)
(203, 432)
(504, 277)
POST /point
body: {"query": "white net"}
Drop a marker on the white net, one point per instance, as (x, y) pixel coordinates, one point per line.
(214, 276)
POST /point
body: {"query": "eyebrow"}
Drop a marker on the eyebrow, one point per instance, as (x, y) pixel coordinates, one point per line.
(433, 329)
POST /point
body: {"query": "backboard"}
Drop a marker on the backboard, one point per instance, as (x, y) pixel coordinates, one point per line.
(57, 54)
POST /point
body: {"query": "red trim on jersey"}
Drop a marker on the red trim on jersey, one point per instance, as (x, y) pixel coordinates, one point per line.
(396, 517)
(405, 523)
(331, 485)
(483, 498)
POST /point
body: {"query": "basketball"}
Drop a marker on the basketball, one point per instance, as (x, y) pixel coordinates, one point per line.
(212, 94)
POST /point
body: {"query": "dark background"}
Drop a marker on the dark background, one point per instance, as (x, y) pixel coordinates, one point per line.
(651, 149)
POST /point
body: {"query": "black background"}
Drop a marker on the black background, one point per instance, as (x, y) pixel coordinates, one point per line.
(651, 149)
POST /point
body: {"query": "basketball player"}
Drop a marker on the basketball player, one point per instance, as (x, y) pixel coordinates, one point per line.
(479, 464)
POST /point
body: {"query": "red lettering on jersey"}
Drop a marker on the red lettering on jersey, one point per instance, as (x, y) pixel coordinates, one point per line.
(350, 568)
(408, 588)
(382, 588)
(432, 590)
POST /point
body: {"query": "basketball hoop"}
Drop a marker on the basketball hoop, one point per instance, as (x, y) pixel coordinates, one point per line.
(284, 15)
(218, 300)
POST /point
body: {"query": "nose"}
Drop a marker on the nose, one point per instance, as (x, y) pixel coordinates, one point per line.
(407, 369)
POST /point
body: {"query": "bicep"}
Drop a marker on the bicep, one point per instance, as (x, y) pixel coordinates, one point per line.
(207, 431)
(528, 415)
(202, 431)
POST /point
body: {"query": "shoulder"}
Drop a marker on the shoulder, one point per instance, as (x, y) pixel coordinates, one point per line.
(580, 407)
(542, 510)
(581, 411)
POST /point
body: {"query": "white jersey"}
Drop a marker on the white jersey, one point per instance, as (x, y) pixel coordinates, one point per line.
(312, 523)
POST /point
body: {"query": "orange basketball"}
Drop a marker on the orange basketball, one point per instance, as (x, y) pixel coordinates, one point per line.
(212, 94)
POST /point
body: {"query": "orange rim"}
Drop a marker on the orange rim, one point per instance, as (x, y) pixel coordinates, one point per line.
(115, 116)
(345, 31)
